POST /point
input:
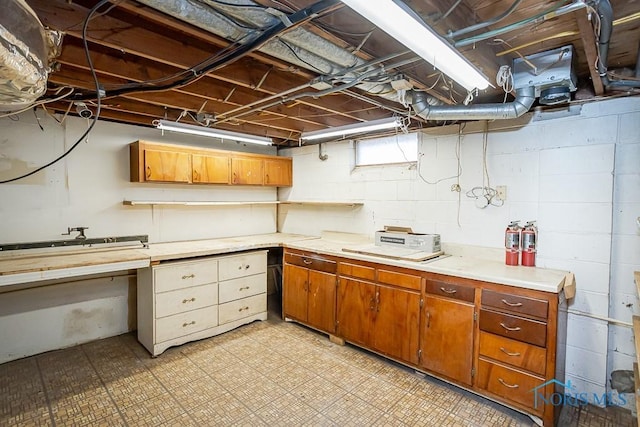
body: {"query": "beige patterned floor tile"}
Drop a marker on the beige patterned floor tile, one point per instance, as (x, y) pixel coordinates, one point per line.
(84, 408)
(183, 420)
(197, 393)
(399, 376)
(234, 375)
(413, 410)
(366, 361)
(224, 411)
(442, 395)
(286, 410)
(318, 393)
(258, 393)
(319, 420)
(38, 416)
(350, 410)
(176, 373)
(133, 390)
(380, 393)
(474, 410)
(268, 362)
(291, 375)
(156, 411)
(345, 376)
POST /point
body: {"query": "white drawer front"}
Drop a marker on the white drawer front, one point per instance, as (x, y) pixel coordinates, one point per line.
(242, 265)
(243, 287)
(186, 323)
(180, 275)
(246, 307)
(169, 303)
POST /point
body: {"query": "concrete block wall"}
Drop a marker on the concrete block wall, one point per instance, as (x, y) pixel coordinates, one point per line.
(566, 169)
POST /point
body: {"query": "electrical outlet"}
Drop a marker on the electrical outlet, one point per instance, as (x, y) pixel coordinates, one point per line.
(501, 192)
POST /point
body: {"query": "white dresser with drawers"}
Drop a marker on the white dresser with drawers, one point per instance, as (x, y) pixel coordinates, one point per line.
(187, 300)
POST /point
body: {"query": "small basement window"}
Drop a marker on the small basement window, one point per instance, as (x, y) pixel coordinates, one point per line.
(401, 148)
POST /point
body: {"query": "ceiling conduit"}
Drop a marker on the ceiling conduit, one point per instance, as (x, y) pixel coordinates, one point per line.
(605, 12)
(495, 111)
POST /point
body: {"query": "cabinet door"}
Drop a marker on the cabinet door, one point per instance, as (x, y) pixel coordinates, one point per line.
(294, 294)
(247, 171)
(278, 172)
(322, 301)
(210, 169)
(447, 338)
(166, 166)
(397, 323)
(355, 304)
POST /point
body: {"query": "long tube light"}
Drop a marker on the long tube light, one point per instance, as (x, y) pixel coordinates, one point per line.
(210, 132)
(394, 20)
(381, 124)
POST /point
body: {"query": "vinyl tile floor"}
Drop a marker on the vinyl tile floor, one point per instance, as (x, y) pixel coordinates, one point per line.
(269, 373)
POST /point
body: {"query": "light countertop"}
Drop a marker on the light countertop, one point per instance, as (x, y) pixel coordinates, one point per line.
(34, 267)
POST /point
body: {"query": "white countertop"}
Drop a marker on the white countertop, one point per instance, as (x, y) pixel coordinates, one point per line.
(34, 267)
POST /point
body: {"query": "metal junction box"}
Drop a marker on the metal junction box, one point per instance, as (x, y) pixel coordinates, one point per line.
(543, 70)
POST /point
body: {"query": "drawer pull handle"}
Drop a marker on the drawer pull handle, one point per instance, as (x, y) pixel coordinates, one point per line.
(428, 319)
(243, 309)
(507, 384)
(512, 304)
(184, 301)
(517, 328)
(184, 325)
(189, 276)
(246, 267)
(448, 291)
(244, 288)
(307, 261)
(509, 353)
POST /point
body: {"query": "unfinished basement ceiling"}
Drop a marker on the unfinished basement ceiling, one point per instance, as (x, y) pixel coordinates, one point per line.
(268, 91)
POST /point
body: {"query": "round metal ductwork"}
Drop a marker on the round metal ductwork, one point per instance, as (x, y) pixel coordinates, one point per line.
(555, 95)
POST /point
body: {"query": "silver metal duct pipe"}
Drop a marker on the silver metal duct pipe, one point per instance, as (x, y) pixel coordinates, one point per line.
(523, 102)
(605, 12)
(297, 46)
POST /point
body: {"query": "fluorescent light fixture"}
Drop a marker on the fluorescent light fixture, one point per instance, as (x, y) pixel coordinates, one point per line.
(388, 123)
(394, 20)
(210, 132)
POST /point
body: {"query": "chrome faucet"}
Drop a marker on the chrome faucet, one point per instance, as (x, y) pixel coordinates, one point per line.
(80, 230)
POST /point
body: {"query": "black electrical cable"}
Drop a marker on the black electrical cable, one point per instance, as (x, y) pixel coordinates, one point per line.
(299, 58)
(269, 33)
(97, 84)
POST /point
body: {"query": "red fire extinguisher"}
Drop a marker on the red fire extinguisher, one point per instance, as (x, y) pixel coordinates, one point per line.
(529, 237)
(512, 243)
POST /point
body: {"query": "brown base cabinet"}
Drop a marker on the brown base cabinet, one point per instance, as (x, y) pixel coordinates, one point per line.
(309, 291)
(499, 341)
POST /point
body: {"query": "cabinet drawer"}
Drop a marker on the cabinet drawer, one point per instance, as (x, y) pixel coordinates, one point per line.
(403, 280)
(241, 308)
(355, 270)
(186, 323)
(450, 290)
(180, 275)
(516, 353)
(510, 384)
(515, 303)
(169, 303)
(243, 287)
(242, 265)
(515, 327)
(311, 262)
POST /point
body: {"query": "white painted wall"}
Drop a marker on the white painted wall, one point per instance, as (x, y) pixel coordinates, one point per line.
(87, 189)
(559, 169)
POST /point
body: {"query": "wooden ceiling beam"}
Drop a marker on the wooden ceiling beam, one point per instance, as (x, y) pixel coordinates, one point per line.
(589, 44)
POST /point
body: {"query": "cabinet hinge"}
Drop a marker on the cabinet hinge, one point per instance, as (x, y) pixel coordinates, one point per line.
(475, 316)
(421, 302)
(473, 372)
(419, 355)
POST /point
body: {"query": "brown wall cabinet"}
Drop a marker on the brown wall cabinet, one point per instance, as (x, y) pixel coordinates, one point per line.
(496, 340)
(154, 162)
